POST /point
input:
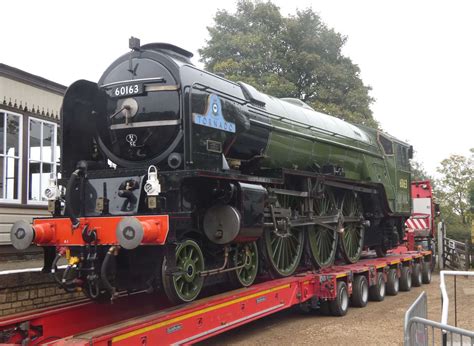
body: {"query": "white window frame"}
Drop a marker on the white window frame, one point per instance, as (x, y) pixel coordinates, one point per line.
(19, 157)
(54, 163)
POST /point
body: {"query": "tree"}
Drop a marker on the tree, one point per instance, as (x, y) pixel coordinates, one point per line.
(418, 172)
(296, 56)
(453, 188)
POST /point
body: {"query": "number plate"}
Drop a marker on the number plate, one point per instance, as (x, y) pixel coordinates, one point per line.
(126, 90)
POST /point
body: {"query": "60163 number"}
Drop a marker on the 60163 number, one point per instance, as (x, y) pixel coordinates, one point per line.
(125, 90)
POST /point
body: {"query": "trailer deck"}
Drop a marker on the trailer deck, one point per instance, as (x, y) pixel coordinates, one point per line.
(148, 319)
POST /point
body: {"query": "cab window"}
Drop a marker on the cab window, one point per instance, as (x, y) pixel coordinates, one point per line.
(402, 157)
(386, 144)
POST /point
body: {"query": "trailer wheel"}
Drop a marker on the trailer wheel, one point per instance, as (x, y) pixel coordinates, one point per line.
(426, 272)
(416, 275)
(360, 292)
(405, 279)
(393, 283)
(377, 291)
(340, 305)
(324, 308)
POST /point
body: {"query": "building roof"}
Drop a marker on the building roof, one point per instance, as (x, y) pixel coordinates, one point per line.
(31, 79)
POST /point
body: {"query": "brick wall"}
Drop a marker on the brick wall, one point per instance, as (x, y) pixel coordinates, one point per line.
(27, 291)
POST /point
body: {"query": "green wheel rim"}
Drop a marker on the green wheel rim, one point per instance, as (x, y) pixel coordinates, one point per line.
(284, 251)
(246, 255)
(322, 241)
(353, 235)
(189, 262)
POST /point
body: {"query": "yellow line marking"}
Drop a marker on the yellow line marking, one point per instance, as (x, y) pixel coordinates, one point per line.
(194, 313)
(394, 262)
(340, 275)
(380, 266)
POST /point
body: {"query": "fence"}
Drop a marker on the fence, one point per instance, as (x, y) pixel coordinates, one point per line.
(418, 330)
(454, 254)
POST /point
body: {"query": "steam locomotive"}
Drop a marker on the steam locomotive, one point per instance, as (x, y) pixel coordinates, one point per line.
(172, 174)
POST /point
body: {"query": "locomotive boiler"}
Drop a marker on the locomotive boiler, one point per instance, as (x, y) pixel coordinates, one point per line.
(171, 175)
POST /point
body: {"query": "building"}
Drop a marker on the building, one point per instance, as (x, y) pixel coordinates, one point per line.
(29, 147)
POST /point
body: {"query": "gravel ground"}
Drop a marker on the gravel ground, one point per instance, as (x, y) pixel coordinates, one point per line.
(380, 323)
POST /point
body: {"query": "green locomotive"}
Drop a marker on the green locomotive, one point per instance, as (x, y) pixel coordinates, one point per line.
(177, 174)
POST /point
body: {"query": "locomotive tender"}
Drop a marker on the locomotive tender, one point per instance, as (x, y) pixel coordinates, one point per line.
(173, 174)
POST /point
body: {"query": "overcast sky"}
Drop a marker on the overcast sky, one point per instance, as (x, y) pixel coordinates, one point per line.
(418, 56)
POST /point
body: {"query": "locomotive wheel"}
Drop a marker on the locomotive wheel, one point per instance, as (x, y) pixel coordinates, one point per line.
(186, 284)
(247, 255)
(321, 242)
(380, 251)
(283, 250)
(351, 240)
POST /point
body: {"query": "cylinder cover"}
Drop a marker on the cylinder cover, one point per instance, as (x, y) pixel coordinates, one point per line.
(222, 224)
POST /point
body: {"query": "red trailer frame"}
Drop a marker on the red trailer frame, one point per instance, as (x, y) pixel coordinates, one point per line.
(148, 319)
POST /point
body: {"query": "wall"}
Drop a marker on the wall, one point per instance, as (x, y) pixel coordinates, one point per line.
(27, 291)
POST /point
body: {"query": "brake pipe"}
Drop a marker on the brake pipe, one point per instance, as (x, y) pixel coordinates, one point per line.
(103, 271)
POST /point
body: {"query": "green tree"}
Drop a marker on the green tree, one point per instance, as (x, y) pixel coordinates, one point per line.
(296, 56)
(418, 172)
(453, 188)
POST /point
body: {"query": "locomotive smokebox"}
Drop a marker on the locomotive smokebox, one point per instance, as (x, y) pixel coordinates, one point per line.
(242, 222)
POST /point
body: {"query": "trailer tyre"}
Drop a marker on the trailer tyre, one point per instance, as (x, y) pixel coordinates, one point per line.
(393, 283)
(405, 279)
(426, 272)
(377, 291)
(324, 308)
(360, 292)
(340, 305)
(416, 275)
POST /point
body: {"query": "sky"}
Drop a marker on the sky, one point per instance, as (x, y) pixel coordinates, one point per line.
(418, 56)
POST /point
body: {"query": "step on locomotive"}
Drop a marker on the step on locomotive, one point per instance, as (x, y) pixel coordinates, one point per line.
(172, 176)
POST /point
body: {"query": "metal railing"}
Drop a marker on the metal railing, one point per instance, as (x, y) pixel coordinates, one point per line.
(418, 330)
(417, 333)
(421, 331)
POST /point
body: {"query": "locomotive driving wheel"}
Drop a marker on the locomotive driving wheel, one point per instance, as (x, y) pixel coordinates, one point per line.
(321, 242)
(283, 246)
(351, 240)
(245, 257)
(185, 284)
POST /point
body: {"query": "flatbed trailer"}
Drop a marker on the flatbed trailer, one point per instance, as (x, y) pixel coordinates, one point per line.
(146, 319)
